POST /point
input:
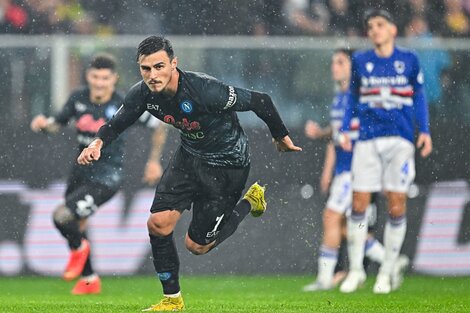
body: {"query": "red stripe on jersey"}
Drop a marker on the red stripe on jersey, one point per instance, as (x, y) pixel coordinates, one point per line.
(402, 93)
(370, 92)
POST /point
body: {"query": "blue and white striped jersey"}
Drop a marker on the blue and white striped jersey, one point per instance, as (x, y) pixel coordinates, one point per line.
(386, 94)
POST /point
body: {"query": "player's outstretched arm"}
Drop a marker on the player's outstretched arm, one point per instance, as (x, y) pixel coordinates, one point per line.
(91, 153)
(42, 123)
(285, 144)
(425, 144)
(314, 131)
(264, 108)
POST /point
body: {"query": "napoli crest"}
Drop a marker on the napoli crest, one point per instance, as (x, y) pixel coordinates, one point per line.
(186, 106)
(110, 111)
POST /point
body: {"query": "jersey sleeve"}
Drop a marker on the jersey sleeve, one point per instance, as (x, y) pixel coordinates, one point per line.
(419, 99)
(129, 112)
(353, 97)
(219, 97)
(67, 112)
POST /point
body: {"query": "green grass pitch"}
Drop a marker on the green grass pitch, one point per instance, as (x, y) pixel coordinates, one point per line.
(207, 294)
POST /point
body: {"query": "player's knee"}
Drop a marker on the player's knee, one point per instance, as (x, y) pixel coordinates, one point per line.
(360, 204)
(332, 218)
(396, 211)
(159, 227)
(62, 215)
(396, 204)
(196, 248)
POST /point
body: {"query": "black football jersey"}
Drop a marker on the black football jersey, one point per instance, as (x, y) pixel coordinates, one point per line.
(203, 110)
(88, 117)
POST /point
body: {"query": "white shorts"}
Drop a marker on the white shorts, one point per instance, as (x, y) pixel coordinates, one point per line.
(384, 163)
(340, 198)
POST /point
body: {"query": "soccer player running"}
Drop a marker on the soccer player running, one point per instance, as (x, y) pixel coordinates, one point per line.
(208, 171)
(89, 187)
(387, 95)
(337, 161)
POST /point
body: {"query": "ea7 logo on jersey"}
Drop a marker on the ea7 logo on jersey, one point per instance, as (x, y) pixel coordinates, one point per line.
(232, 98)
(369, 66)
(152, 106)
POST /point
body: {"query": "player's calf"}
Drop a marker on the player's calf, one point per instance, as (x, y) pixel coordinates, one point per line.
(68, 225)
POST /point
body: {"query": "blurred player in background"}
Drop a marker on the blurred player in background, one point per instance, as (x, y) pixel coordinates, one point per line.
(337, 161)
(89, 187)
(208, 171)
(386, 93)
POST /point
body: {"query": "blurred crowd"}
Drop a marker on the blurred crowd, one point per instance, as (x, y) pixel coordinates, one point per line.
(445, 71)
(447, 18)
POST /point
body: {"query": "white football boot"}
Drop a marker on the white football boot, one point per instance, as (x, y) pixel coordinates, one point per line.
(353, 281)
(398, 273)
(383, 284)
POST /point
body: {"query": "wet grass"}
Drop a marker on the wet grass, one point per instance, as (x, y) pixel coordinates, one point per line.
(234, 294)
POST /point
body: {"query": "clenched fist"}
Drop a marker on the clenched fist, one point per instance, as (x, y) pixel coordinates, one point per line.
(91, 153)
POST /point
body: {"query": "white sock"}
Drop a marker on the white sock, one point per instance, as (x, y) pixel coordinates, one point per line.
(374, 250)
(394, 235)
(176, 295)
(357, 234)
(326, 264)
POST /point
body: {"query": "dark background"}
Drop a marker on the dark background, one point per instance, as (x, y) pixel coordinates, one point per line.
(284, 240)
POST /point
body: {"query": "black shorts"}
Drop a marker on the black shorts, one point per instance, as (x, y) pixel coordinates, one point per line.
(212, 192)
(83, 196)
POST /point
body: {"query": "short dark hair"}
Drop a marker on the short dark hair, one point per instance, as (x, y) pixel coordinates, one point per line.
(154, 44)
(371, 13)
(103, 61)
(347, 51)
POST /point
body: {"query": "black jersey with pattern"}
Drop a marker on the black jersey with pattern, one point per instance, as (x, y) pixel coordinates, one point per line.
(88, 118)
(204, 111)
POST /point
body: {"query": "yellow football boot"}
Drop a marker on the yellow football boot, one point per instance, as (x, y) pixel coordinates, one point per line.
(255, 195)
(168, 304)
